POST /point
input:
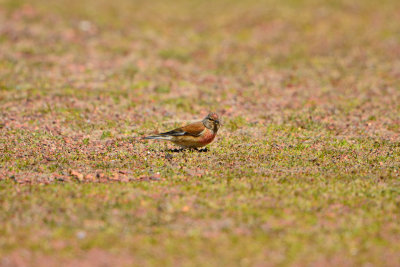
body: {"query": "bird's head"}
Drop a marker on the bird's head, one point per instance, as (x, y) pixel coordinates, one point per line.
(212, 121)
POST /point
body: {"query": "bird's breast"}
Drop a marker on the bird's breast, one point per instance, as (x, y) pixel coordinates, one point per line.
(207, 137)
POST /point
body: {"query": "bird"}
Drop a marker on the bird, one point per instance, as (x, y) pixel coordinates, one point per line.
(194, 135)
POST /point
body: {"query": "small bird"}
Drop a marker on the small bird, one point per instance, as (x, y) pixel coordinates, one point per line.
(194, 135)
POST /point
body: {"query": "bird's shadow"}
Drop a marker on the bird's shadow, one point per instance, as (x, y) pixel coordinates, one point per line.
(180, 150)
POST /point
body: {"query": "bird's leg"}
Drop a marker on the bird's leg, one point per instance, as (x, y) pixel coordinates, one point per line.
(175, 150)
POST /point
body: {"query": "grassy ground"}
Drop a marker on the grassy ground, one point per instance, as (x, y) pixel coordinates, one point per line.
(304, 171)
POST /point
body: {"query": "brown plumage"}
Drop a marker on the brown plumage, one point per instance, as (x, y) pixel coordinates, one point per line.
(194, 135)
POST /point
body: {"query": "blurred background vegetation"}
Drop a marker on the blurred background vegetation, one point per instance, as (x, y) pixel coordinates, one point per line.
(304, 170)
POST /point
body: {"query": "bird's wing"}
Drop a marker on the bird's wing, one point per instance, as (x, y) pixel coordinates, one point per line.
(193, 129)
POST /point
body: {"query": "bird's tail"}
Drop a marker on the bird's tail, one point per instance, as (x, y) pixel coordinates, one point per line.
(158, 137)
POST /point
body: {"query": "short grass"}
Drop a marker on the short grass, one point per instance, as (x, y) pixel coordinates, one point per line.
(304, 171)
